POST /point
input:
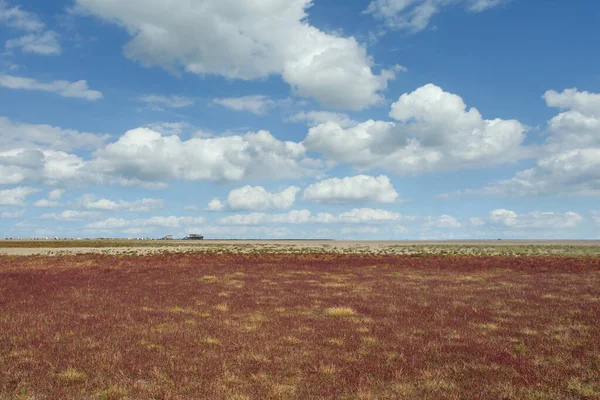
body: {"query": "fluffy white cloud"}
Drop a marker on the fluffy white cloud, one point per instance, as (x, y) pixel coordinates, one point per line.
(77, 89)
(476, 221)
(435, 131)
(89, 202)
(159, 101)
(247, 39)
(38, 39)
(15, 196)
(443, 221)
(415, 15)
(355, 216)
(52, 200)
(256, 198)
(45, 43)
(70, 215)
(314, 118)
(16, 18)
(257, 104)
(16, 135)
(569, 163)
(579, 125)
(535, 219)
(12, 215)
(570, 173)
(215, 205)
(354, 189)
(144, 155)
(153, 222)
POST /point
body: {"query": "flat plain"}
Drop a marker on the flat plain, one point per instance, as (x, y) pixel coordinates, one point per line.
(283, 320)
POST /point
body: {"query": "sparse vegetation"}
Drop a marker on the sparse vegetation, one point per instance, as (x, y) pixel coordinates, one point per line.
(221, 325)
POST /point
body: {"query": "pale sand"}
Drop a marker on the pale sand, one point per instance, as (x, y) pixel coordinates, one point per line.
(589, 247)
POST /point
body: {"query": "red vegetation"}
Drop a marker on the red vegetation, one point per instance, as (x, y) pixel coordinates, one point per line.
(299, 326)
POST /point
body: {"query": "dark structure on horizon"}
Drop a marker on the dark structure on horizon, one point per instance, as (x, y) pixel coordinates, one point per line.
(193, 236)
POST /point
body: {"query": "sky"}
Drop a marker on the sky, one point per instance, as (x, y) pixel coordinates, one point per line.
(323, 119)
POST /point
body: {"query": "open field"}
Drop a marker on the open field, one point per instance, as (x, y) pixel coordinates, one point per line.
(458, 247)
(301, 325)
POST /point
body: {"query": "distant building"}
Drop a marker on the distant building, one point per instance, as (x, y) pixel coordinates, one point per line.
(168, 237)
(193, 236)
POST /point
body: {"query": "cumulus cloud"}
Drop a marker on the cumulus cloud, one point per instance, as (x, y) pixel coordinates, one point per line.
(45, 43)
(153, 222)
(257, 104)
(256, 198)
(17, 135)
(52, 201)
(146, 155)
(416, 15)
(38, 39)
(159, 101)
(443, 221)
(77, 89)
(355, 216)
(12, 215)
(434, 131)
(314, 118)
(16, 196)
(70, 216)
(569, 162)
(535, 219)
(354, 189)
(89, 202)
(246, 39)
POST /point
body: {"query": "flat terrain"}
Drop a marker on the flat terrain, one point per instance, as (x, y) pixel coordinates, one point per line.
(466, 247)
(222, 324)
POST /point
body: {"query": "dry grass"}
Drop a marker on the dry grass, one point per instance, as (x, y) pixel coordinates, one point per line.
(340, 312)
(311, 326)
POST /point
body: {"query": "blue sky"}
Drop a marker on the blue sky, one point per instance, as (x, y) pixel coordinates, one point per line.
(382, 119)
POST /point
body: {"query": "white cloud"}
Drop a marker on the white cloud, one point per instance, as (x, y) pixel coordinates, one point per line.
(569, 162)
(355, 216)
(46, 203)
(354, 189)
(153, 222)
(12, 215)
(70, 215)
(15, 196)
(256, 198)
(77, 89)
(169, 128)
(443, 221)
(145, 155)
(40, 43)
(52, 200)
(536, 219)
(16, 18)
(416, 15)
(314, 118)
(257, 104)
(476, 221)
(37, 40)
(89, 202)
(246, 39)
(159, 101)
(435, 131)
(16, 135)
(215, 205)
(55, 194)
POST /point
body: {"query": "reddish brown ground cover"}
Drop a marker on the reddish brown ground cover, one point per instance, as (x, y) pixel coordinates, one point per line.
(299, 327)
